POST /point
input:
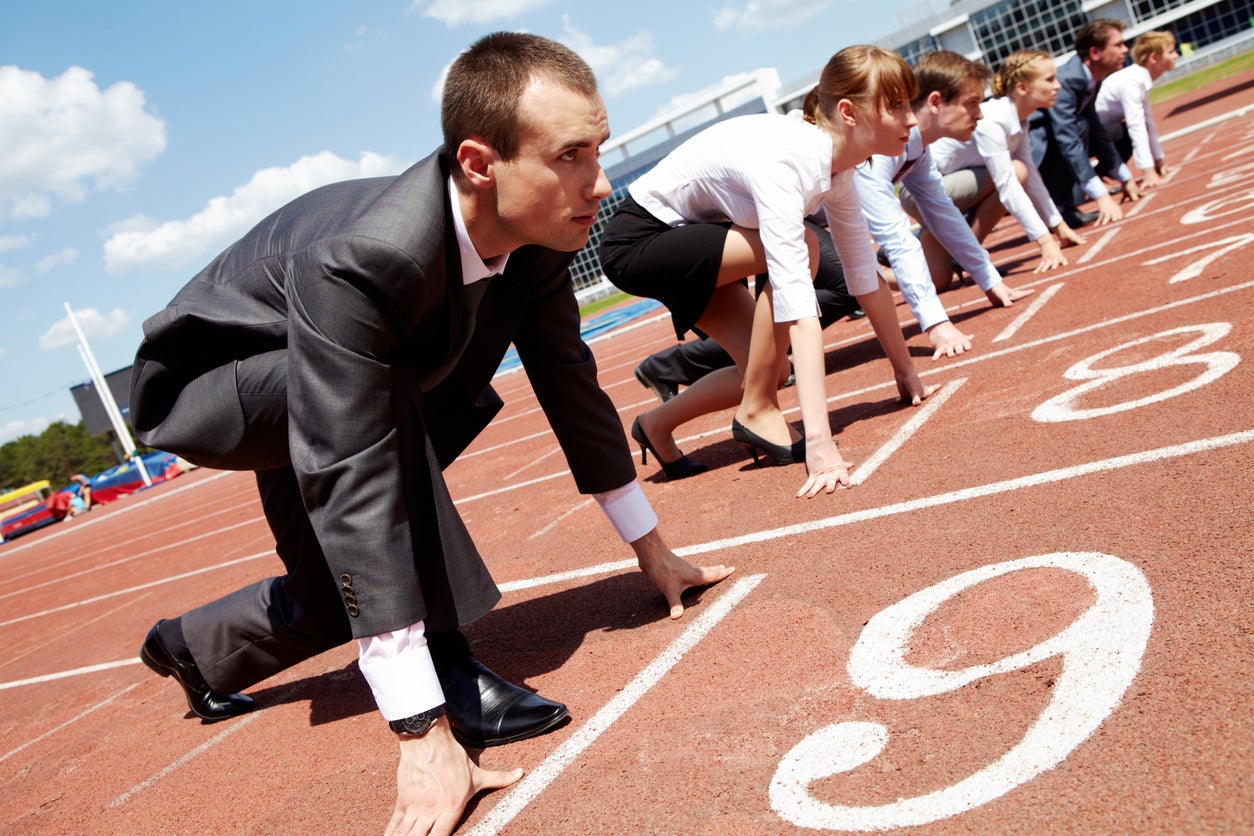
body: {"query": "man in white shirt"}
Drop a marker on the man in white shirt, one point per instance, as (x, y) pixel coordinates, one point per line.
(1123, 105)
(947, 105)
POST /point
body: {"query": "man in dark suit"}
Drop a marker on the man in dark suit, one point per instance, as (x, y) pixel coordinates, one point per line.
(1065, 136)
(343, 350)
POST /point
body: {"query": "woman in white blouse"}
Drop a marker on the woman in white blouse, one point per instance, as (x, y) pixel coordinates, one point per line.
(730, 203)
(1123, 104)
(999, 157)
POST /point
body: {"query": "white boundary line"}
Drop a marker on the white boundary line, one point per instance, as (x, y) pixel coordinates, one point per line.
(1022, 319)
(535, 782)
(1100, 243)
(79, 716)
(929, 408)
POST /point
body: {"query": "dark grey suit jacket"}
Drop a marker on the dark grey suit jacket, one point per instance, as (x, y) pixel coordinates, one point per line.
(1073, 130)
(358, 286)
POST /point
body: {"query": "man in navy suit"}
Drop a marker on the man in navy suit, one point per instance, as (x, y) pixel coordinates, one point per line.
(1065, 136)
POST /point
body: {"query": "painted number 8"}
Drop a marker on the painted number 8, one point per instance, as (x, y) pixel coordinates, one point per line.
(1101, 653)
(1217, 364)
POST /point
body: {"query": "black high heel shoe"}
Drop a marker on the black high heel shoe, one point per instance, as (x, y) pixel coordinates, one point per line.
(681, 468)
(796, 452)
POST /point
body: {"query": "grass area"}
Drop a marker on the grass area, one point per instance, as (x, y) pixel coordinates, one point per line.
(601, 304)
(1202, 77)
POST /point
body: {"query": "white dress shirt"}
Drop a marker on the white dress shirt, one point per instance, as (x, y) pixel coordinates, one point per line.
(1124, 95)
(1001, 137)
(890, 227)
(398, 664)
(766, 172)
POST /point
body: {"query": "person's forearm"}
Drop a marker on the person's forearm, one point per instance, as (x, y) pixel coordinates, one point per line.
(809, 366)
(883, 318)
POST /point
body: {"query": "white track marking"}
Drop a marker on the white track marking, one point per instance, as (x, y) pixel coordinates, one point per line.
(536, 781)
(132, 589)
(73, 720)
(1032, 309)
(1098, 245)
(53, 677)
(1143, 202)
(579, 506)
(918, 417)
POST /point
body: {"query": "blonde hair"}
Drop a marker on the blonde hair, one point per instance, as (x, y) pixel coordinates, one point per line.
(870, 77)
(1017, 67)
(1150, 44)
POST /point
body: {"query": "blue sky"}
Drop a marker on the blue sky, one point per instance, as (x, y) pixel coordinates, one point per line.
(138, 138)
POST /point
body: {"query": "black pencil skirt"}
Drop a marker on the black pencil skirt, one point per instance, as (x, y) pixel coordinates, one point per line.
(676, 265)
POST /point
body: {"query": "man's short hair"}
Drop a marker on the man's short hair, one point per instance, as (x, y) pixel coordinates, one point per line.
(1095, 35)
(486, 83)
(947, 73)
(1150, 44)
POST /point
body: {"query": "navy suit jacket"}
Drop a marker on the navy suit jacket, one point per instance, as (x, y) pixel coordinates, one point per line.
(1071, 128)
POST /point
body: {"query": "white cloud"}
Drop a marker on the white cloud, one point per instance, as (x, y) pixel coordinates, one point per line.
(9, 277)
(455, 12)
(67, 256)
(63, 136)
(13, 430)
(15, 242)
(95, 325)
(140, 243)
(4, 352)
(626, 65)
(767, 14)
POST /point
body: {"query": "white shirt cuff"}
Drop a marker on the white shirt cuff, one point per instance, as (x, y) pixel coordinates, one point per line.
(401, 674)
(628, 510)
(1095, 188)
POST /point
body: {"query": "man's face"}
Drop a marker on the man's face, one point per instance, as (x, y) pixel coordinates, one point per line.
(958, 116)
(549, 193)
(1109, 58)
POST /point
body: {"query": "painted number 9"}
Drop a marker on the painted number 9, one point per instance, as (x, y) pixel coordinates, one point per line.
(1101, 653)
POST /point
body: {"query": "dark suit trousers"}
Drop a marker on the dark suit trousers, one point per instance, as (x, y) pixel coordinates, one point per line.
(685, 363)
(273, 624)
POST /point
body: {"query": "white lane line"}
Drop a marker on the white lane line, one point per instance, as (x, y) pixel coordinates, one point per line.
(981, 358)
(78, 716)
(81, 627)
(1142, 203)
(535, 782)
(1032, 309)
(1092, 251)
(53, 677)
(535, 461)
(27, 588)
(131, 589)
(917, 419)
(80, 523)
(579, 506)
(1018, 483)
(1031, 481)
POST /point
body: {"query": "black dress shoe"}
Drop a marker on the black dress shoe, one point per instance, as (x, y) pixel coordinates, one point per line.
(1075, 219)
(204, 702)
(485, 710)
(663, 390)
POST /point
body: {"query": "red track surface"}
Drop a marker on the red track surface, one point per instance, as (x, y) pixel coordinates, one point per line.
(1092, 675)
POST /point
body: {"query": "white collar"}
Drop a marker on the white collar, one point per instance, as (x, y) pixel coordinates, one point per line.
(474, 268)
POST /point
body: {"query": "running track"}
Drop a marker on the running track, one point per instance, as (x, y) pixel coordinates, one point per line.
(1030, 614)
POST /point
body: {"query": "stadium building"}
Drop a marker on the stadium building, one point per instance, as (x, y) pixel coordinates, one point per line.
(984, 30)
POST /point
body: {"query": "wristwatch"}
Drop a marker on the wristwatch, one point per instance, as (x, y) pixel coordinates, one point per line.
(419, 724)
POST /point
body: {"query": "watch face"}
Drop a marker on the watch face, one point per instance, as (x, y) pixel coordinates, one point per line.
(419, 724)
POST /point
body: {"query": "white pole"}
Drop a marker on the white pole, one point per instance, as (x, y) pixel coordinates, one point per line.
(106, 398)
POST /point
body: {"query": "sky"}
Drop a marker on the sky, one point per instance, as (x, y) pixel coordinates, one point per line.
(139, 138)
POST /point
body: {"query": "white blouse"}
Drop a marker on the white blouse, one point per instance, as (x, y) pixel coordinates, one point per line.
(1001, 137)
(766, 172)
(1124, 95)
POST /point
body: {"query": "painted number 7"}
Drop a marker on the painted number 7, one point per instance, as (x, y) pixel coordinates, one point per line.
(1101, 653)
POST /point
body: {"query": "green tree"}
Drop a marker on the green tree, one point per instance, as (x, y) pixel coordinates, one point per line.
(56, 454)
